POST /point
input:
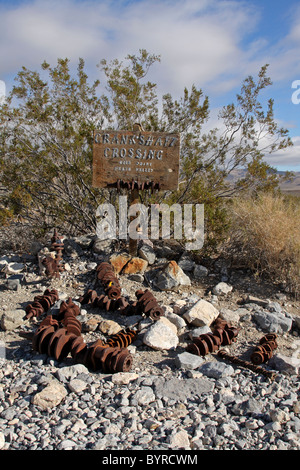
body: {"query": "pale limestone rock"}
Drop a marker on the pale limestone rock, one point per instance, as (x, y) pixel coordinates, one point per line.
(160, 337)
(201, 313)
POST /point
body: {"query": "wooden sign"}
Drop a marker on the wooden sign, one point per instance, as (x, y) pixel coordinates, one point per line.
(136, 155)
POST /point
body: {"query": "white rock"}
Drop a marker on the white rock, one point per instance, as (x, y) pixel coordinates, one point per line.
(222, 289)
(12, 319)
(160, 337)
(14, 268)
(123, 378)
(50, 396)
(285, 364)
(179, 440)
(176, 320)
(77, 385)
(2, 440)
(201, 313)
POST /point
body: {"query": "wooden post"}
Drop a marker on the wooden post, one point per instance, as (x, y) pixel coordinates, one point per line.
(134, 199)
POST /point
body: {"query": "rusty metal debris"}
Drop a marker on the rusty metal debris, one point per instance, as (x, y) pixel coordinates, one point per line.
(106, 275)
(107, 358)
(103, 301)
(59, 338)
(112, 300)
(54, 266)
(264, 351)
(41, 303)
(147, 304)
(57, 245)
(132, 184)
(248, 365)
(122, 339)
(206, 343)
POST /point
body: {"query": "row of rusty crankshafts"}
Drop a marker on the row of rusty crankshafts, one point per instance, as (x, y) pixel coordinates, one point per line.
(112, 299)
(146, 304)
(60, 336)
(261, 354)
(223, 335)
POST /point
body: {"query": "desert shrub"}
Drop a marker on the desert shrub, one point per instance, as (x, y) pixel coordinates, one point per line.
(264, 236)
(46, 142)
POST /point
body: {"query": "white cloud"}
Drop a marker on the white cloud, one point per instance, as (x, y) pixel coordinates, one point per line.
(288, 158)
(198, 40)
(2, 91)
(205, 42)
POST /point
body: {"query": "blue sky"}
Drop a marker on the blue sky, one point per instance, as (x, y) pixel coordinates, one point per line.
(213, 44)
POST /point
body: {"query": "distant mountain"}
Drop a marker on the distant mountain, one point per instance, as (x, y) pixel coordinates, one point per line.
(290, 186)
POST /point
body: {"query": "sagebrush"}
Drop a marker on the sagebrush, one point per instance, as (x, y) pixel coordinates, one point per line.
(265, 236)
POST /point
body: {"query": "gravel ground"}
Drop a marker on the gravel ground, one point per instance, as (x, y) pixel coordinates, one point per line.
(158, 405)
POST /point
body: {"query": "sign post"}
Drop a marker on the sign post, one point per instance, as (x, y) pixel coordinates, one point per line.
(135, 160)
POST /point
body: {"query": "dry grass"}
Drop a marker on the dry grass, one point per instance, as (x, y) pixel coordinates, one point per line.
(265, 237)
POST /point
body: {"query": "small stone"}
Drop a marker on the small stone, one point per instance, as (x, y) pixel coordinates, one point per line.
(135, 265)
(172, 276)
(222, 289)
(200, 272)
(123, 378)
(201, 330)
(70, 372)
(143, 396)
(136, 277)
(279, 416)
(273, 322)
(147, 253)
(109, 327)
(2, 440)
(50, 396)
(13, 319)
(77, 385)
(118, 261)
(201, 313)
(14, 268)
(188, 361)
(179, 440)
(160, 337)
(67, 444)
(216, 369)
(14, 282)
(101, 246)
(91, 324)
(176, 320)
(285, 364)
(186, 263)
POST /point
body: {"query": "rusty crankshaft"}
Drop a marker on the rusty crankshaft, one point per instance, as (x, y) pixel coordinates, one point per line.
(106, 275)
(58, 337)
(41, 303)
(147, 304)
(103, 301)
(248, 365)
(264, 351)
(206, 343)
(122, 339)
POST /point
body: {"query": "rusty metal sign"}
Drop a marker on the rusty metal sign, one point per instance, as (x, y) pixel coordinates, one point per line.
(144, 157)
